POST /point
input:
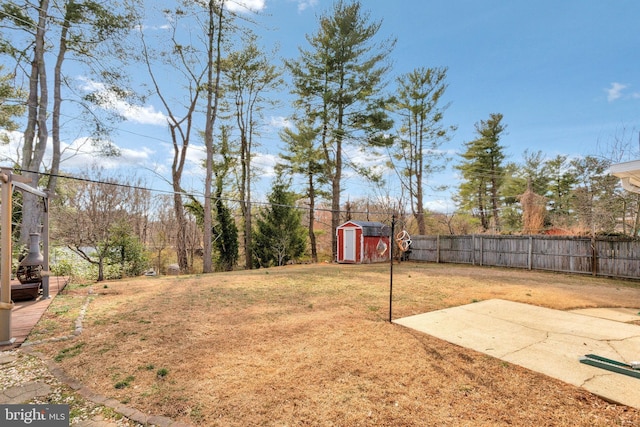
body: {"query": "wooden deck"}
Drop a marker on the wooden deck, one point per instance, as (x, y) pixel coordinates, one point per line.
(26, 314)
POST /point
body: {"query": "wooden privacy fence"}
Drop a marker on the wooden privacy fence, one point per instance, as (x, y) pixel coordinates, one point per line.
(601, 256)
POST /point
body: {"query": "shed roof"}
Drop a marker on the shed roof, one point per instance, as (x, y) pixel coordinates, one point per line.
(371, 228)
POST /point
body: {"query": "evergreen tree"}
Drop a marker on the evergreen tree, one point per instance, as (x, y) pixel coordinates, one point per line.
(225, 238)
(337, 82)
(10, 105)
(279, 235)
(225, 231)
(594, 202)
(562, 178)
(303, 157)
(530, 178)
(422, 133)
(483, 172)
(250, 77)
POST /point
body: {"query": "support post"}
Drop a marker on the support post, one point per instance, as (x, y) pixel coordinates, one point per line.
(392, 243)
(45, 248)
(6, 305)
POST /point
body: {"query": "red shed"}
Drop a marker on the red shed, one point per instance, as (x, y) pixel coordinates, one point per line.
(362, 242)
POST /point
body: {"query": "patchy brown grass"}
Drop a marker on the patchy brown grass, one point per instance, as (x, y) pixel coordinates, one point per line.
(311, 345)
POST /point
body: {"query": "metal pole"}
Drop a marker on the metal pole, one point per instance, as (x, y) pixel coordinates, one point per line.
(391, 245)
(45, 249)
(5, 262)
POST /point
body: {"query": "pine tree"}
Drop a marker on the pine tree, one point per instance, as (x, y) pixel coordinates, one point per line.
(337, 82)
(250, 76)
(422, 133)
(593, 197)
(279, 235)
(303, 157)
(483, 172)
(10, 107)
(562, 179)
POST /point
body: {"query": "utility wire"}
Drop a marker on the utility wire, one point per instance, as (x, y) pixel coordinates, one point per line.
(195, 194)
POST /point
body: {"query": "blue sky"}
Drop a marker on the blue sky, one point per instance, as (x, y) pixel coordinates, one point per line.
(563, 73)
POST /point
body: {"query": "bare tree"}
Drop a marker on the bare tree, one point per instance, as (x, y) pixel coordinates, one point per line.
(624, 146)
(92, 220)
(190, 71)
(534, 207)
(193, 55)
(159, 236)
(77, 28)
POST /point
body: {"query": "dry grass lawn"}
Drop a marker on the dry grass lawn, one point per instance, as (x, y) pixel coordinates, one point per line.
(311, 345)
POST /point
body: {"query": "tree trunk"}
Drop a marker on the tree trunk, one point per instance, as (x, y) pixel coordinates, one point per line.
(335, 207)
(246, 130)
(335, 186)
(419, 208)
(213, 93)
(178, 206)
(312, 220)
(100, 270)
(207, 222)
(36, 121)
(482, 208)
(181, 230)
(494, 204)
(245, 196)
(57, 103)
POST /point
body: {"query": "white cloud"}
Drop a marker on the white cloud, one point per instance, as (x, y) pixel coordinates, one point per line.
(146, 115)
(266, 163)
(445, 206)
(196, 155)
(366, 158)
(77, 155)
(82, 152)
(615, 91)
(245, 5)
(153, 27)
(279, 122)
(108, 99)
(306, 4)
(12, 152)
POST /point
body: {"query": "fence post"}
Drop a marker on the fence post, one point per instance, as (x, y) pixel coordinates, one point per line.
(594, 257)
(530, 255)
(473, 249)
(438, 249)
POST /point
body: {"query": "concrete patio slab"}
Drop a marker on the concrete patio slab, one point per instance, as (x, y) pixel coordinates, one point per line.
(613, 313)
(544, 340)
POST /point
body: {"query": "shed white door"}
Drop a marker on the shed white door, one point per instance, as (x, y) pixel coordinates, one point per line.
(349, 244)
